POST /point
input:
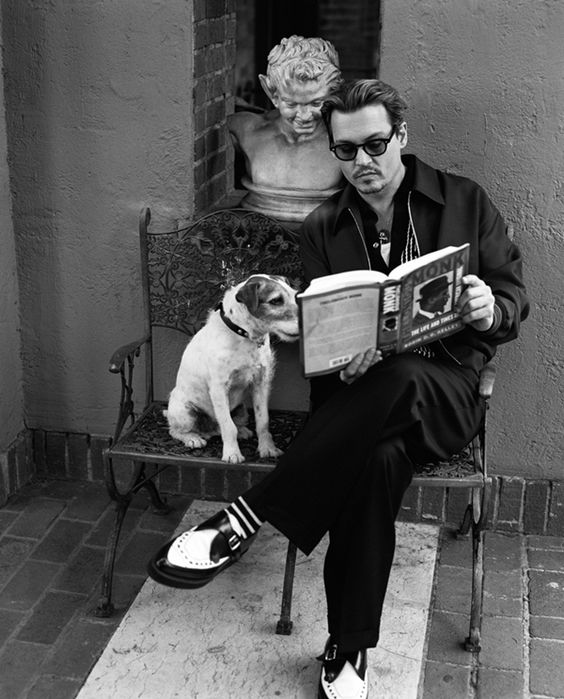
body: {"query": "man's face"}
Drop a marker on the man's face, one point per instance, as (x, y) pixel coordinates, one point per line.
(435, 303)
(369, 174)
(299, 104)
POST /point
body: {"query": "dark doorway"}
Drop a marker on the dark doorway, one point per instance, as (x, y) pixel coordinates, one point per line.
(352, 26)
(276, 19)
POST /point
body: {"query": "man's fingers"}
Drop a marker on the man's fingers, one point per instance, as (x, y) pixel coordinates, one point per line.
(367, 360)
(476, 295)
(359, 365)
(476, 303)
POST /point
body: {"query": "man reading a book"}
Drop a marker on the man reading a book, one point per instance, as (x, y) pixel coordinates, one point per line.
(347, 472)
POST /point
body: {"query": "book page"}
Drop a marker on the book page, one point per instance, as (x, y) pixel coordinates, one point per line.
(408, 267)
(336, 326)
(355, 277)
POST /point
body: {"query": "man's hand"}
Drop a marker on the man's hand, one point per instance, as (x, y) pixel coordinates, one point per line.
(476, 303)
(359, 365)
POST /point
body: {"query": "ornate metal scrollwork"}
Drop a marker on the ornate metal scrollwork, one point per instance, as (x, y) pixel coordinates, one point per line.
(190, 269)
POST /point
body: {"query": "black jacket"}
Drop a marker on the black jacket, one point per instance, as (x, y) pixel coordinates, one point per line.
(445, 210)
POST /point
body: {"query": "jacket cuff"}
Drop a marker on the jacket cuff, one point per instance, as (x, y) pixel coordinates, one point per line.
(498, 317)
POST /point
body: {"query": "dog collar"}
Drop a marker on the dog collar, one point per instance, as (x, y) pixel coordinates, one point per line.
(233, 326)
(230, 324)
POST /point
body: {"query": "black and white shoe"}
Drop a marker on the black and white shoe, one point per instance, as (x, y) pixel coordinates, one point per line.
(197, 556)
(343, 676)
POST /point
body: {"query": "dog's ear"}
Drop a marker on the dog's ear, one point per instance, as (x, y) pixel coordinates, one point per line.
(249, 294)
(280, 278)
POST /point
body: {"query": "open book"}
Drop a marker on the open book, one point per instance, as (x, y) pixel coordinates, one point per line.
(347, 313)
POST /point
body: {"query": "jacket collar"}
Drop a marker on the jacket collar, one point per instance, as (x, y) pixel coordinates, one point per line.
(425, 181)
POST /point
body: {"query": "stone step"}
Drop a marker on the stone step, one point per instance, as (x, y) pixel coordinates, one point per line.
(219, 642)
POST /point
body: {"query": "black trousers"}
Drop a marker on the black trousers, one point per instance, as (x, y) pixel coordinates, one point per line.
(347, 471)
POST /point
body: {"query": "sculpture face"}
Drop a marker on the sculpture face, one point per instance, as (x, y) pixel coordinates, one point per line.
(299, 104)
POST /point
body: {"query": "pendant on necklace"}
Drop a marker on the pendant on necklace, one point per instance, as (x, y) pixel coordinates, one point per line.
(384, 236)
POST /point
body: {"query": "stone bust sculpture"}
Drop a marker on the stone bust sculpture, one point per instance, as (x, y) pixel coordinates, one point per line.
(289, 168)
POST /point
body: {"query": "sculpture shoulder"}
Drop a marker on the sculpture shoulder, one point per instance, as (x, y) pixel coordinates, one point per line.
(242, 124)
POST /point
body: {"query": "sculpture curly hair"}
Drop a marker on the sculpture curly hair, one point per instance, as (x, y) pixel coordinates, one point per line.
(302, 59)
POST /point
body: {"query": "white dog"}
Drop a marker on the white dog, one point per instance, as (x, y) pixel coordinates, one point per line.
(229, 358)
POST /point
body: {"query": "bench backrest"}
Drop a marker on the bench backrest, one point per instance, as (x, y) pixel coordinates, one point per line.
(186, 271)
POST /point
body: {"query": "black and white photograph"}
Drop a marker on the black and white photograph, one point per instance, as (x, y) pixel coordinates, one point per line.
(281, 366)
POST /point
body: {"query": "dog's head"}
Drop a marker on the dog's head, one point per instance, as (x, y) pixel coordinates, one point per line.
(272, 301)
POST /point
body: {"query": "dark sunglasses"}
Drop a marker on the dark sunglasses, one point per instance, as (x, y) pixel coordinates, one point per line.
(372, 147)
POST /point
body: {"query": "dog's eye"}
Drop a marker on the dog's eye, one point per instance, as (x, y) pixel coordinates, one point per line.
(276, 301)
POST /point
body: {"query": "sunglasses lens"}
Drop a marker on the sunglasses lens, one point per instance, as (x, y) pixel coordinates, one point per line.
(375, 147)
(345, 151)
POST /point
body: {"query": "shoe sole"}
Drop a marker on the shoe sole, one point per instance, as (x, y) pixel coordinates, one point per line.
(321, 694)
(185, 578)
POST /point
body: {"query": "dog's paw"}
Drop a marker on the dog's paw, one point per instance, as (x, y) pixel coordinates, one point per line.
(268, 449)
(232, 456)
(244, 432)
(192, 440)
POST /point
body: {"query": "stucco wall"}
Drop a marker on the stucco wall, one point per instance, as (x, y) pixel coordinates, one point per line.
(11, 402)
(485, 84)
(99, 99)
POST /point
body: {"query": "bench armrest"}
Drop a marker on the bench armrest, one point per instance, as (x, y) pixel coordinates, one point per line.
(120, 355)
(487, 379)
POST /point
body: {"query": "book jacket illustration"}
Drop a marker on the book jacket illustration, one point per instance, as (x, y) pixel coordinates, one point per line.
(429, 297)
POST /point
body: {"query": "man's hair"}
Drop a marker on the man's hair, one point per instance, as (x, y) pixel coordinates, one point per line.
(299, 59)
(353, 95)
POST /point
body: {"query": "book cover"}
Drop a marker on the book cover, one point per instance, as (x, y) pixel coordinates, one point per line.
(344, 314)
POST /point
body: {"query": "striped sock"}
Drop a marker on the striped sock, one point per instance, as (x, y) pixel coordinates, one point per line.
(243, 520)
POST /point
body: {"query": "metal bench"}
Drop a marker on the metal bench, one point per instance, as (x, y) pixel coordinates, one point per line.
(184, 273)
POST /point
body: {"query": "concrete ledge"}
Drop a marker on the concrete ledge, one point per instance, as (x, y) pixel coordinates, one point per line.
(219, 641)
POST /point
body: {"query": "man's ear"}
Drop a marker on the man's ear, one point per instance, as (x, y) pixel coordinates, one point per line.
(402, 134)
(271, 94)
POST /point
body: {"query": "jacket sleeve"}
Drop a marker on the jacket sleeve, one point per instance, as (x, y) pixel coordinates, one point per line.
(500, 266)
(316, 264)
(314, 258)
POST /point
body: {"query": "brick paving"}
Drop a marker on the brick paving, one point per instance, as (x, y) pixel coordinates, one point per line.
(52, 538)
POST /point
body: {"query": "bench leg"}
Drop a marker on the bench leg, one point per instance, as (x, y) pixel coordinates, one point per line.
(160, 506)
(479, 511)
(472, 643)
(284, 625)
(105, 606)
(466, 524)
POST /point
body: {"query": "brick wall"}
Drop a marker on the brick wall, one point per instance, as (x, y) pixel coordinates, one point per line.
(214, 64)
(522, 505)
(16, 466)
